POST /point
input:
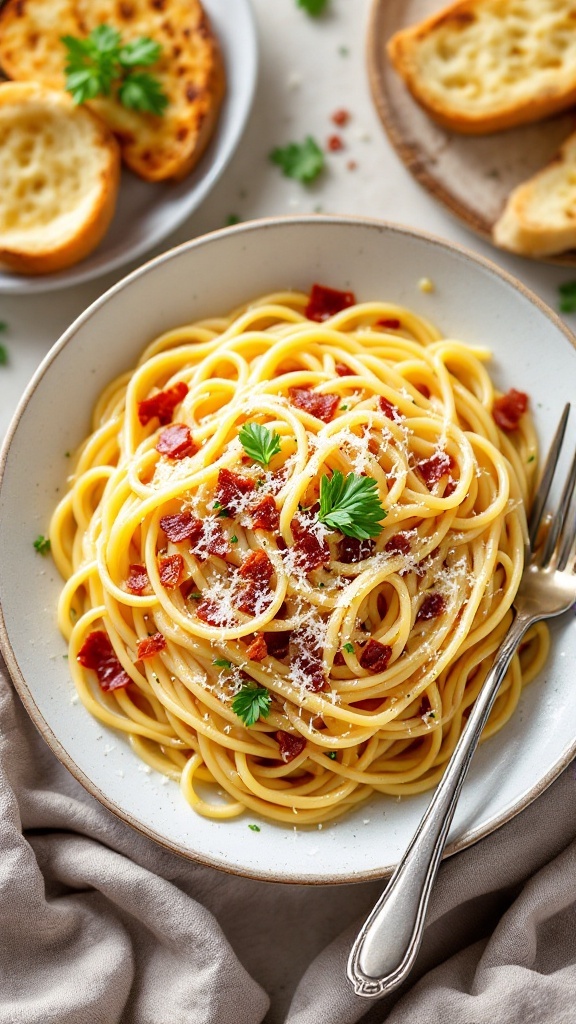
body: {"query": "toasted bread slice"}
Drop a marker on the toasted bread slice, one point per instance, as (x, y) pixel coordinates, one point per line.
(60, 172)
(190, 70)
(480, 66)
(539, 218)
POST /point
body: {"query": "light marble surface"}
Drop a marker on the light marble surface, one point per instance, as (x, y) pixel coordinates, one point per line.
(308, 69)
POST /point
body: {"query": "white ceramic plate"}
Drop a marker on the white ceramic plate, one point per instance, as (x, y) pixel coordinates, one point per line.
(473, 300)
(146, 212)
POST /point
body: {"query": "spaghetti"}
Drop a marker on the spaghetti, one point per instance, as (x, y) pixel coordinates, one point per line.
(291, 544)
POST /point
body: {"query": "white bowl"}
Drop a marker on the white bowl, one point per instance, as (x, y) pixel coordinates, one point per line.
(472, 300)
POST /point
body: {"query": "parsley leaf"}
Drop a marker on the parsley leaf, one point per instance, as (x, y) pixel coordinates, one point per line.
(351, 504)
(101, 65)
(254, 828)
(313, 7)
(302, 161)
(42, 545)
(222, 663)
(259, 443)
(251, 703)
(567, 297)
(3, 355)
(349, 648)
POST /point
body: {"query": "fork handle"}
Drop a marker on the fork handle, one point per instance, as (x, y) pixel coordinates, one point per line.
(388, 942)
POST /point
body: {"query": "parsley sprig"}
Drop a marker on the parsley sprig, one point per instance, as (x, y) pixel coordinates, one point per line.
(251, 703)
(42, 545)
(260, 443)
(351, 504)
(303, 161)
(102, 65)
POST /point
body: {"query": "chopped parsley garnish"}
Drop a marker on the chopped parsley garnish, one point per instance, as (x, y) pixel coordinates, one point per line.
(251, 703)
(3, 326)
(232, 219)
(196, 595)
(42, 545)
(254, 828)
(259, 443)
(3, 355)
(312, 7)
(217, 504)
(332, 755)
(222, 663)
(349, 648)
(567, 297)
(102, 65)
(303, 161)
(531, 459)
(234, 539)
(351, 505)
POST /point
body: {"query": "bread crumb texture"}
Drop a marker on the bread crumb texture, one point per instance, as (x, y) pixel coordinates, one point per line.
(483, 65)
(59, 168)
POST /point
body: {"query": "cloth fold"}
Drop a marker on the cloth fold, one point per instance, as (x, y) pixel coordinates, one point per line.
(99, 925)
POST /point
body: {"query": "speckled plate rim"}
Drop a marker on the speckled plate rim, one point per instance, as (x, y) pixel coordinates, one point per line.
(471, 835)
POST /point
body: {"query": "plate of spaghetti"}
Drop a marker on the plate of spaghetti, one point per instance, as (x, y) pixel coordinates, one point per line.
(284, 519)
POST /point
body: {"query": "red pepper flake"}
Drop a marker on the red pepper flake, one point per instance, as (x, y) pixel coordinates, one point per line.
(325, 302)
(210, 612)
(162, 405)
(322, 407)
(290, 745)
(433, 469)
(277, 642)
(137, 581)
(171, 569)
(335, 143)
(150, 646)
(375, 656)
(98, 654)
(232, 488)
(354, 550)
(176, 442)
(423, 389)
(256, 572)
(341, 117)
(311, 552)
(390, 322)
(257, 649)
(391, 411)
(265, 515)
(509, 409)
(181, 526)
(432, 606)
(343, 371)
(399, 543)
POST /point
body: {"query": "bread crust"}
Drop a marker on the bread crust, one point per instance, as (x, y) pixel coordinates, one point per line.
(191, 72)
(61, 166)
(442, 60)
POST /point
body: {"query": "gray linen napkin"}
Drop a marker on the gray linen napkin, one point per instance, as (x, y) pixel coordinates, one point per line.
(99, 925)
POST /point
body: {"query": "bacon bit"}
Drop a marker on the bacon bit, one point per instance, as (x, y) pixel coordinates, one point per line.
(137, 581)
(324, 302)
(257, 650)
(265, 515)
(339, 659)
(216, 544)
(389, 410)
(209, 611)
(508, 410)
(432, 606)
(150, 646)
(354, 550)
(322, 407)
(391, 322)
(399, 543)
(423, 389)
(375, 656)
(176, 442)
(162, 405)
(171, 569)
(306, 657)
(281, 544)
(277, 642)
(256, 571)
(181, 526)
(231, 488)
(433, 469)
(311, 553)
(368, 704)
(335, 143)
(290, 745)
(341, 117)
(343, 371)
(98, 654)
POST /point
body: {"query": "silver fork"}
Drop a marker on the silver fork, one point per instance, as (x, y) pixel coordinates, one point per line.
(388, 942)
